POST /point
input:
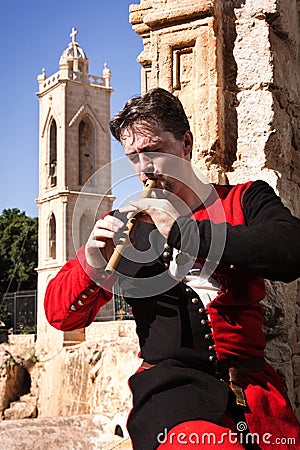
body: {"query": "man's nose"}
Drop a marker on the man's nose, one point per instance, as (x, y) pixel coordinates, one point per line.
(146, 163)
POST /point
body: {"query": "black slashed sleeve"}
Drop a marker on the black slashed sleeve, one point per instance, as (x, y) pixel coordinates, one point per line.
(268, 243)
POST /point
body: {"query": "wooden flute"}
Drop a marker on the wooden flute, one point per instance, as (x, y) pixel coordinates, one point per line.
(120, 247)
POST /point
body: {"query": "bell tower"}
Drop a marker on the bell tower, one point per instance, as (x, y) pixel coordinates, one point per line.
(74, 145)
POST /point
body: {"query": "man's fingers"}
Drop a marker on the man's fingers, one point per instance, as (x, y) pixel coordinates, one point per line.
(137, 206)
(150, 205)
(109, 223)
(99, 244)
(128, 208)
(103, 233)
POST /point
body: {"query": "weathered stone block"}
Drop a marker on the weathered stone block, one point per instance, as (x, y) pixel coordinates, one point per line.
(84, 432)
(24, 408)
(14, 380)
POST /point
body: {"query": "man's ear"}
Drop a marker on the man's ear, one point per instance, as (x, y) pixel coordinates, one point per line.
(188, 142)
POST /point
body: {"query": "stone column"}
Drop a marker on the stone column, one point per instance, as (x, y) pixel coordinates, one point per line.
(235, 66)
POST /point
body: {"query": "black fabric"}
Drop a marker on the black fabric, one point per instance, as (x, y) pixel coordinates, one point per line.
(260, 245)
(171, 393)
(168, 323)
(169, 326)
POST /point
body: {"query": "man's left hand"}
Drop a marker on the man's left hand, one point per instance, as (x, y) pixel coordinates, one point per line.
(160, 210)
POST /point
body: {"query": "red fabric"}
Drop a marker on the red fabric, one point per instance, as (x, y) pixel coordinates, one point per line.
(236, 314)
(73, 285)
(236, 320)
(236, 331)
(200, 434)
(227, 436)
(269, 419)
(270, 423)
(227, 207)
(269, 410)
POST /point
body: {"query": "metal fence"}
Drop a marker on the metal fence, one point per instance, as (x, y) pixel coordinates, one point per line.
(117, 309)
(22, 307)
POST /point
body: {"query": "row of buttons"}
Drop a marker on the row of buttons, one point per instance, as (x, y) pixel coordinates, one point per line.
(204, 322)
(80, 301)
(212, 358)
(167, 255)
(195, 300)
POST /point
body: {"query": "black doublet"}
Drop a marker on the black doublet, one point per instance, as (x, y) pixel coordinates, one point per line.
(174, 334)
(173, 323)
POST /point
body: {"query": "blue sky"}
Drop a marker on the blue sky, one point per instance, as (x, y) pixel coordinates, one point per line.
(33, 35)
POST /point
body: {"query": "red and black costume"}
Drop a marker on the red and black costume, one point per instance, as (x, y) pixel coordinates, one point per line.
(195, 352)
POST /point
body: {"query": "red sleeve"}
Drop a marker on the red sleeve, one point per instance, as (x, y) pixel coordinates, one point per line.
(74, 297)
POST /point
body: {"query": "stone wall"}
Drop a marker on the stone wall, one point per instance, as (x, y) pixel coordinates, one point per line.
(235, 66)
(266, 51)
(84, 432)
(91, 377)
(86, 378)
(14, 379)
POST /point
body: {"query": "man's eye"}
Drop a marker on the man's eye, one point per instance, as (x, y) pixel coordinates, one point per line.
(134, 158)
(152, 155)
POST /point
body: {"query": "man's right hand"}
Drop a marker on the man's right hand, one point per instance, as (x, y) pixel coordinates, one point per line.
(100, 244)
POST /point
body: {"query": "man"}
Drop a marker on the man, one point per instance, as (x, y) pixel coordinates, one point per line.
(193, 276)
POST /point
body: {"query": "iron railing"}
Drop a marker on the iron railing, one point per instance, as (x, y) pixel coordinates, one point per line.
(115, 310)
(22, 307)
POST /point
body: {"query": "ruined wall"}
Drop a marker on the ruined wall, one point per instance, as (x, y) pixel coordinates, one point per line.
(235, 66)
(91, 377)
(268, 119)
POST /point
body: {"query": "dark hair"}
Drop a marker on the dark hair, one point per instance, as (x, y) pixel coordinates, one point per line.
(157, 108)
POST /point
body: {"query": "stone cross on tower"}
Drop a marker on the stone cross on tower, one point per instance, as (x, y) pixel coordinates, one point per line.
(75, 48)
(73, 35)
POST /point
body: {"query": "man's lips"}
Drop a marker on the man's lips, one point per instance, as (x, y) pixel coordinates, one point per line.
(151, 176)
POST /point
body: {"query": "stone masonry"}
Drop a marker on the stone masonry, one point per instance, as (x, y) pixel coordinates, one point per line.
(235, 66)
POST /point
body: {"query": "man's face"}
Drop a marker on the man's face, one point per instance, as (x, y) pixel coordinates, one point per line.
(157, 154)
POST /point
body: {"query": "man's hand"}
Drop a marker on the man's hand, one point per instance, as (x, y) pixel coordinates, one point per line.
(161, 211)
(100, 245)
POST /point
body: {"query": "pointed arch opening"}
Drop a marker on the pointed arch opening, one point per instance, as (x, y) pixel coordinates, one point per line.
(52, 237)
(86, 150)
(85, 228)
(52, 163)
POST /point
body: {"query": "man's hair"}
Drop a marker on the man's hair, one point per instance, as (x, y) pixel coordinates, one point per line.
(157, 108)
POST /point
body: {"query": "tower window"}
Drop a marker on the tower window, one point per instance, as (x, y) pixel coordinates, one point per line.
(86, 150)
(52, 237)
(85, 228)
(53, 155)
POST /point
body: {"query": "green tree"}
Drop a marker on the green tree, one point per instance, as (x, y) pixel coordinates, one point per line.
(18, 253)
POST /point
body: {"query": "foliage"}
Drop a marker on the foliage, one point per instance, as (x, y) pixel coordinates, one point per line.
(5, 316)
(18, 254)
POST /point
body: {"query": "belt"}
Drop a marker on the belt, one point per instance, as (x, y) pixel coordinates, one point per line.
(232, 370)
(235, 369)
(233, 366)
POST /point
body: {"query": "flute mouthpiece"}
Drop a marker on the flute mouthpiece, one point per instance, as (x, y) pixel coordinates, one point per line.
(150, 184)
